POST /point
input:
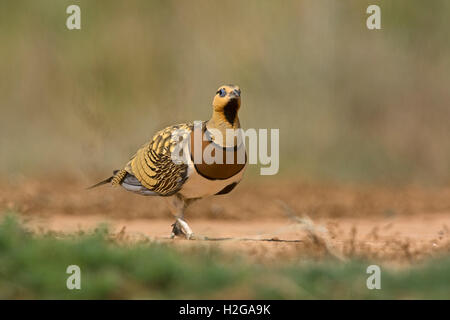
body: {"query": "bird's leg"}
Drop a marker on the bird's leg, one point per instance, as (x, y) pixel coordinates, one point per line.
(180, 228)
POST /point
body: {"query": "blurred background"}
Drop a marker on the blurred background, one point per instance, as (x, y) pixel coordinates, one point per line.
(352, 105)
(364, 147)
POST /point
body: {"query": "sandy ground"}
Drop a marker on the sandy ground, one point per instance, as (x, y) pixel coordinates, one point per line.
(270, 221)
(395, 239)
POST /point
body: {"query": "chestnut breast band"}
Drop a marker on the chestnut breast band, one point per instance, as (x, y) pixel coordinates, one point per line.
(216, 171)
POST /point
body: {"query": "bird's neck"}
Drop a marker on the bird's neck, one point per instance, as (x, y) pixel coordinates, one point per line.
(219, 122)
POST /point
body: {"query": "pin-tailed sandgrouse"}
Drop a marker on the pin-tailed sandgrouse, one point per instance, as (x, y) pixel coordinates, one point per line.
(153, 171)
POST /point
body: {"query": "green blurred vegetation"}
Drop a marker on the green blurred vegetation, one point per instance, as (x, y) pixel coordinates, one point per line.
(351, 104)
(34, 267)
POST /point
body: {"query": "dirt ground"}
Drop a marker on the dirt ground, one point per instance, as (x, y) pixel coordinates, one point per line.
(265, 222)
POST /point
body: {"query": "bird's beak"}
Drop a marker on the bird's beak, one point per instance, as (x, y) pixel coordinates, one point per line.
(235, 94)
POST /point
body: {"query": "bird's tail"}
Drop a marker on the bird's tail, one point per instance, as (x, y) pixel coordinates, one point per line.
(108, 180)
(115, 179)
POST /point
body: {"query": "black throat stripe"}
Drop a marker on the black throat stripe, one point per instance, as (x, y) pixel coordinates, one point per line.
(230, 110)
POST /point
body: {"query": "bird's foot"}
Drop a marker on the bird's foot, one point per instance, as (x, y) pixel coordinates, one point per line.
(181, 228)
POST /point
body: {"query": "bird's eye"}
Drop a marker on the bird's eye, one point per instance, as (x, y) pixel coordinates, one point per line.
(222, 92)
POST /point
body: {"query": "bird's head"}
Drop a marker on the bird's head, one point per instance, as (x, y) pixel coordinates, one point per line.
(227, 101)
